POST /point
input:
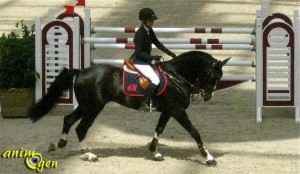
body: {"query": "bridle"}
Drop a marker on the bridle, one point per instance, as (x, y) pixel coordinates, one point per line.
(180, 79)
(203, 89)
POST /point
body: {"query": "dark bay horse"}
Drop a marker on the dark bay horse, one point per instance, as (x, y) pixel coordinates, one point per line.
(100, 84)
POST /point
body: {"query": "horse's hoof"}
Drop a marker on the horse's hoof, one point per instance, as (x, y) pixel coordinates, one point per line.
(89, 157)
(62, 143)
(52, 147)
(211, 162)
(158, 157)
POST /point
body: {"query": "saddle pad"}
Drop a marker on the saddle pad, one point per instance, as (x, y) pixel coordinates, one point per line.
(132, 87)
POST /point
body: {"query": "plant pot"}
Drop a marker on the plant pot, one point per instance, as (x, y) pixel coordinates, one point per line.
(16, 102)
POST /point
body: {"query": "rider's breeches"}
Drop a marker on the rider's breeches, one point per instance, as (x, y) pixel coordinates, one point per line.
(148, 72)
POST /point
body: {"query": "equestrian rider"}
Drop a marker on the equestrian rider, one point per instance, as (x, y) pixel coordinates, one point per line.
(143, 39)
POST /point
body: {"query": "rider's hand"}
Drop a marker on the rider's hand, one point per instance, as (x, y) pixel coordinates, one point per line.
(156, 58)
(173, 55)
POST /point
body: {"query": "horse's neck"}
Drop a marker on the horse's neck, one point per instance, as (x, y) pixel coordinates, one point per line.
(190, 67)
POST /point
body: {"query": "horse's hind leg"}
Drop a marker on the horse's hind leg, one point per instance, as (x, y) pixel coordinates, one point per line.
(86, 122)
(69, 121)
(182, 118)
(162, 122)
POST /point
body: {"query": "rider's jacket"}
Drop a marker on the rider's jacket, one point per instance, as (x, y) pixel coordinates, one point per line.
(143, 39)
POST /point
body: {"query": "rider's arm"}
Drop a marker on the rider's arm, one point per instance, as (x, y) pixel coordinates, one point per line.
(158, 44)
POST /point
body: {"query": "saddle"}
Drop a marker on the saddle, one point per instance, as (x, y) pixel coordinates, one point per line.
(135, 83)
(144, 82)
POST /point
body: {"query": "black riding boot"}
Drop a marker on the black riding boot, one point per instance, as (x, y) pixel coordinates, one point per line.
(148, 93)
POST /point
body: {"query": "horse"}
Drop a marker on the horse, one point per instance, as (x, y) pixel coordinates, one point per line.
(97, 85)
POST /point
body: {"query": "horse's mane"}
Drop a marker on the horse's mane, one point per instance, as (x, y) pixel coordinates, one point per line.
(204, 55)
(195, 56)
(190, 64)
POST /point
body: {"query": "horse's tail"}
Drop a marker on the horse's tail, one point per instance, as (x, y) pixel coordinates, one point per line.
(61, 83)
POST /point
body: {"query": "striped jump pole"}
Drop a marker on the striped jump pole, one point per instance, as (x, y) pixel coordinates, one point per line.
(174, 40)
(228, 30)
(185, 46)
(121, 61)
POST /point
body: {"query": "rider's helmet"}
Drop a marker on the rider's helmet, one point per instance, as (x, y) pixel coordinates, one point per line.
(147, 14)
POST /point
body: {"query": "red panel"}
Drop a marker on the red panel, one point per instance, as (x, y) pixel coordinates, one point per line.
(213, 41)
(200, 47)
(129, 46)
(216, 30)
(199, 30)
(121, 40)
(129, 30)
(217, 47)
(196, 41)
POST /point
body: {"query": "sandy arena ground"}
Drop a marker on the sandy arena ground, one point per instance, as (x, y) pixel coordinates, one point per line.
(120, 136)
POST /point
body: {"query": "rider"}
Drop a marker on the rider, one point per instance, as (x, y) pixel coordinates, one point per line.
(144, 37)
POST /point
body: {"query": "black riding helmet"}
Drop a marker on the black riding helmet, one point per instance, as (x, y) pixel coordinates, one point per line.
(147, 14)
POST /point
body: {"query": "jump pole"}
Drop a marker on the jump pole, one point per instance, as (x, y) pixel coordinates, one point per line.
(173, 40)
(227, 30)
(121, 61)
(185, 46)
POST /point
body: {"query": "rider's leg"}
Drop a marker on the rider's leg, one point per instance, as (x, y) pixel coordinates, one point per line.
(149, 73)
(148, 93)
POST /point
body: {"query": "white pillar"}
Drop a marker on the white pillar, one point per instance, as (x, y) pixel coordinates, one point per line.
(38, 58)
(87, 34)
(259, 69)
(51, 15)
(265, 8)
(297, 66)
(76, 52)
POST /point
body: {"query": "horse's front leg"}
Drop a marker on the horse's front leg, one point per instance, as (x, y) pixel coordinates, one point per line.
(182, 118)
(162, 122)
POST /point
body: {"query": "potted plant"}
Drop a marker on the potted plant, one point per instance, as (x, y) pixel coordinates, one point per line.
(17, 70)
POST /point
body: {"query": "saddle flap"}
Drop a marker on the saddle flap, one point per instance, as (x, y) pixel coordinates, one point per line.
(132, 85)
(129, 65)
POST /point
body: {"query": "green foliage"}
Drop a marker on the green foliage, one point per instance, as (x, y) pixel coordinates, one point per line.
(17, 58)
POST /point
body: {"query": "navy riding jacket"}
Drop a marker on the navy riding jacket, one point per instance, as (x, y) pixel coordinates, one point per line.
(143, 47)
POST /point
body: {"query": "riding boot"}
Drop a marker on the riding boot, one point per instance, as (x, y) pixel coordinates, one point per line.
(148, 93)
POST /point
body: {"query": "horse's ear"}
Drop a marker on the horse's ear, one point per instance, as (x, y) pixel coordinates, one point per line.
(225, 61)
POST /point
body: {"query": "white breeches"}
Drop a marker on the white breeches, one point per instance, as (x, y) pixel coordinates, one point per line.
(148, 72)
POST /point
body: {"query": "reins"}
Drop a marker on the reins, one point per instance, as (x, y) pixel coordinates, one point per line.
(178, 79)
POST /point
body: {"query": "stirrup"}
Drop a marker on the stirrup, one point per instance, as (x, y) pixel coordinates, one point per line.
(145, 108)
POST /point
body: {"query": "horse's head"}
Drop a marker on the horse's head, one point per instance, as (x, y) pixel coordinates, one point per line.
(201, 66)
(211, 76)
